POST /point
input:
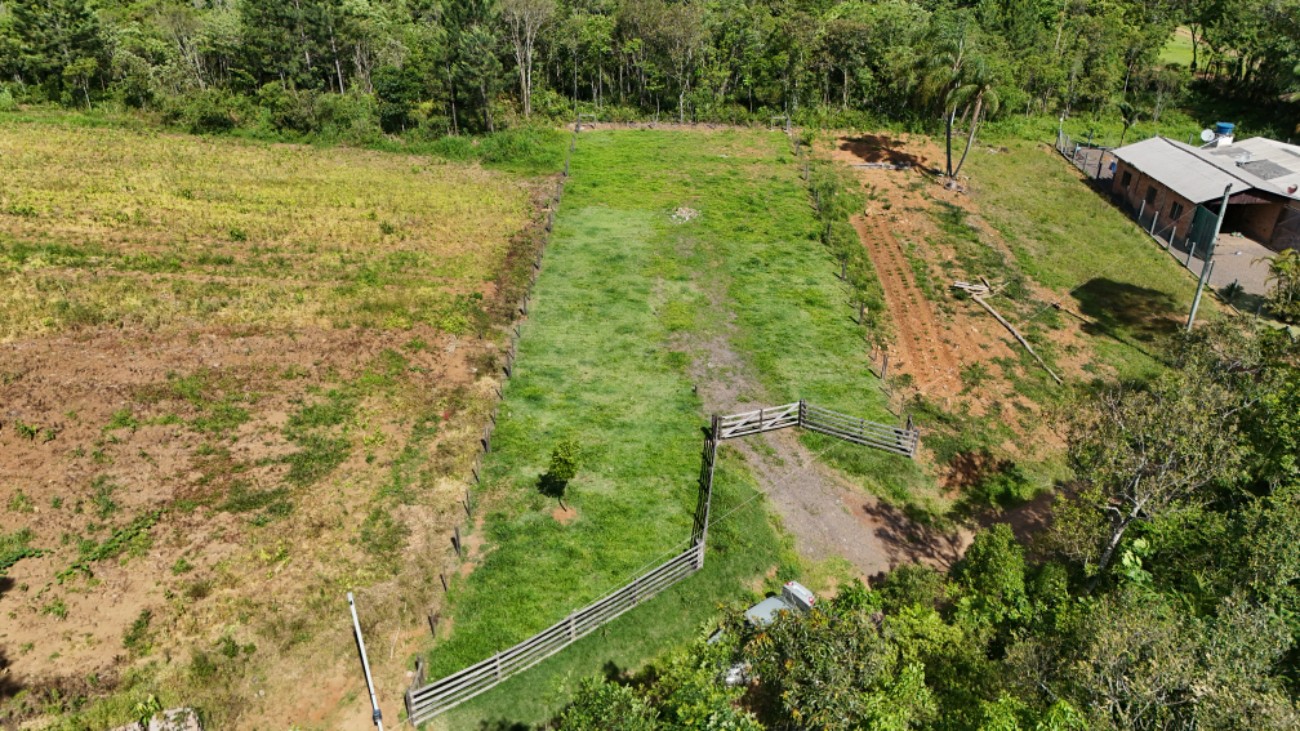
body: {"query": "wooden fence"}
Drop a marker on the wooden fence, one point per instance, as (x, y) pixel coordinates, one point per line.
(899, 440)
(422, 704)
(902, 441)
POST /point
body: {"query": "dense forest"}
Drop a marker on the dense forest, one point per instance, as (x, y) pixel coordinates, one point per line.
(436, 67)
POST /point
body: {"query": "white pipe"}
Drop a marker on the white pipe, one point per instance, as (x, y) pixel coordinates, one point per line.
(376, 716)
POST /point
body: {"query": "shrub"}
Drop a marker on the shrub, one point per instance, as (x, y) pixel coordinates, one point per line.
(526, 150)
(352, 116)
(287, 110)
(211, 111)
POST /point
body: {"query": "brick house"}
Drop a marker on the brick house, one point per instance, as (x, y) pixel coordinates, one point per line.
(1166, 180)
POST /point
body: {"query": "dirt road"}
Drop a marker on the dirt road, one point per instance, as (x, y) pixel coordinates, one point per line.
(827, 515)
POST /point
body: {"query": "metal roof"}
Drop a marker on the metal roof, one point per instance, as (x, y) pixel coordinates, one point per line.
(1200, 175)
(1183, 169)
(1279, 159)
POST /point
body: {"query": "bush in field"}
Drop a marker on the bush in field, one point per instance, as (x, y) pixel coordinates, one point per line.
(211, 111)
(285, 109)
(526, 149)
(7, 101)
(566, 460)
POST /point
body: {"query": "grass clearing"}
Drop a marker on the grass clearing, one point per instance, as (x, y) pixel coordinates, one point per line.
(1179, 48)
(628, 298)
(1072, 241)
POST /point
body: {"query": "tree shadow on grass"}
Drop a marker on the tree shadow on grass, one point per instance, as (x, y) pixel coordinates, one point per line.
(1127, 313)
(553, 487)
(879, 148)
(503, 724)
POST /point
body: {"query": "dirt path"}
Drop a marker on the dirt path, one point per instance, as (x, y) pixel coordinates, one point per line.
(924, 352)
(826, 514)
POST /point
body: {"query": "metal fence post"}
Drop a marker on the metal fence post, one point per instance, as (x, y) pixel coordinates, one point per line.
(1155, 216)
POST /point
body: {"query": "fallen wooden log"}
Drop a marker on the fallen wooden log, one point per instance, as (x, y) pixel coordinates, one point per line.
(978, 292)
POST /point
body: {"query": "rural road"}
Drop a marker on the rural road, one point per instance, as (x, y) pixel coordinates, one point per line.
(827, 515)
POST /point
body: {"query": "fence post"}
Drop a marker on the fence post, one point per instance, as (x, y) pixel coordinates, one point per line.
(1191, 251)
(884, 366)
(1155, 216)
(1172, 234)
(1142, 210)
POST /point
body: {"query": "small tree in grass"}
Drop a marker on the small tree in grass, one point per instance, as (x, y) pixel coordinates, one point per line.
(566, 459)
(1284, 272)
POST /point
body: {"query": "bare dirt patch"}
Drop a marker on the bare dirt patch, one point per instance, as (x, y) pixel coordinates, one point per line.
(237, 541)
(827, 515)
(951, 349)
(564, 515)
(932, 345)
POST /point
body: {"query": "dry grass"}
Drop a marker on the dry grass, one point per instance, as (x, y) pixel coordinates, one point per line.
(111, 226)
(236, 382)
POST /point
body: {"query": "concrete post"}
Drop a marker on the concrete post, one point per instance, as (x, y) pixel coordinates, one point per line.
(1209, 256)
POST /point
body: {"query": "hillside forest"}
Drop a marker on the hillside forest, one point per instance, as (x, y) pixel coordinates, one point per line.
(428, 68)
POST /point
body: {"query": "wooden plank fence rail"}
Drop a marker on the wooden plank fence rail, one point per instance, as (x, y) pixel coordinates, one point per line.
(902, 441)
(894, 439)
(755, 422)
(423, 704)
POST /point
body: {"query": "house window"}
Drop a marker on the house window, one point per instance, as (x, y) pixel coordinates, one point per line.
(1176, 210)
(1151, 195)
(1128, 178)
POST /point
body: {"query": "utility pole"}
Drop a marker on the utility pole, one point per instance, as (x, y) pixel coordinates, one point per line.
(1209, 257)
(375, 716)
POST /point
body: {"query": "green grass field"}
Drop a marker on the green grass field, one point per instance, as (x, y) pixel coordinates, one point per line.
(1071, 240)
(1179, 48)
(623, 303)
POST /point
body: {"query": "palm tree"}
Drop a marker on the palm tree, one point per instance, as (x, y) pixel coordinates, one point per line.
(941, 74)
(1129, 115)
(1284, 272)
(978, 93)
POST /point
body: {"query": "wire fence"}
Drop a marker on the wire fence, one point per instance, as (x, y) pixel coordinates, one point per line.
(1096, 162)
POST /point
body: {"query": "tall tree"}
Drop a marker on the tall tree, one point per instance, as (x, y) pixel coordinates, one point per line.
(55, 36)
(977, 93)
(1141, 452)
(525, 19)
